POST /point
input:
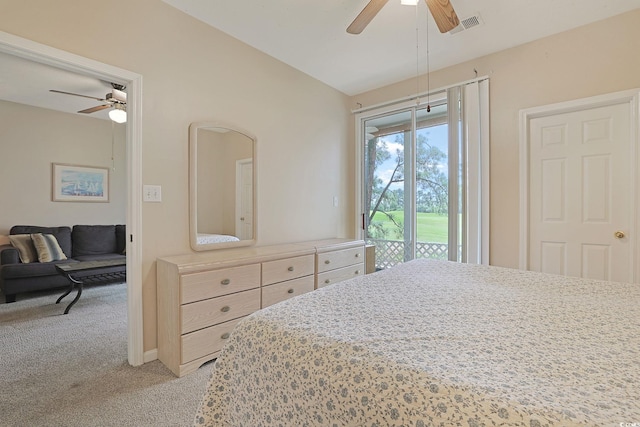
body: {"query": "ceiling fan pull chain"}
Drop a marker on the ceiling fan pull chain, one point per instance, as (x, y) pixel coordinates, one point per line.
(113, 162)
(428, 73)
(417, 60)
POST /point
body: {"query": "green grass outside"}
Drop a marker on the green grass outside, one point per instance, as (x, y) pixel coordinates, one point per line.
(432, 227)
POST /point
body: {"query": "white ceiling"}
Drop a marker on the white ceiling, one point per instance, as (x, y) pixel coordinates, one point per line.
(310, 35)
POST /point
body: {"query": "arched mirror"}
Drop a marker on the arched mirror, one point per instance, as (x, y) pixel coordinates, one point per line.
(222, 190)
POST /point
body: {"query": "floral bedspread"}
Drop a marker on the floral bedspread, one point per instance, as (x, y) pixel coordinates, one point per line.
(204, 239)
(435, 343)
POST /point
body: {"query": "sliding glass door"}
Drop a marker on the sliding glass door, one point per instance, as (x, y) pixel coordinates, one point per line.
(415, 182)
(406, 184)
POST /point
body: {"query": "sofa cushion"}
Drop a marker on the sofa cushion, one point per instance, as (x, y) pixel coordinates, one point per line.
(121, 239)
(35, 269)
(47, 247)
(93, 240)
(62, 234)
(99, 257)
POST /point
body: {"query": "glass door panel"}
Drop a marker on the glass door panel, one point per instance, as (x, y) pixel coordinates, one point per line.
(388, 210)
(432, 183)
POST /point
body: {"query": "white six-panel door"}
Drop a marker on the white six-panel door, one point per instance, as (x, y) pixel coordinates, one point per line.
(581, 192)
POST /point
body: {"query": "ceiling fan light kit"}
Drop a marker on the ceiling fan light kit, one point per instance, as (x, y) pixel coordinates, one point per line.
(118, 114)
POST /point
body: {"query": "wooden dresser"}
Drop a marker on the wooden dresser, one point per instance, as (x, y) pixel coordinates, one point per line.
(202, 296)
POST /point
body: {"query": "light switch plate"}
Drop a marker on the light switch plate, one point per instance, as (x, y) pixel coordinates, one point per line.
(151, 193)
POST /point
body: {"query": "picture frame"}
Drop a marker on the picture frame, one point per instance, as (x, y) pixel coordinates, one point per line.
(77, 183)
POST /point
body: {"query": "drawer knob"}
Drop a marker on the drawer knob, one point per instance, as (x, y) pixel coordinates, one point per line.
(290, 291)
(358, 255)
(327, 281)
(290, 268)
(357, 271)
(225, 282)
(225, 336)
(225, 309)
(327, 262)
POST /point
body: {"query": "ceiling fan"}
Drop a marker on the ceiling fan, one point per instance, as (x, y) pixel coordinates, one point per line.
(441, 10)
(116, 99)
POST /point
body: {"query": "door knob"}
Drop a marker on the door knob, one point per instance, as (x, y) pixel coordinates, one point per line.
(618, 234)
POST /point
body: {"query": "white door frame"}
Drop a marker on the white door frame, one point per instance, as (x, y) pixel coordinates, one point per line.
(632, 97)
(37, 52)
(239, 223)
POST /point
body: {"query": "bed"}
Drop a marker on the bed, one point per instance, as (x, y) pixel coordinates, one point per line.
(205, 239)
(435, 343)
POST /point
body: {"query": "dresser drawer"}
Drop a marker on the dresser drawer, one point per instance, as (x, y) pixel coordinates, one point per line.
(284, 290)
(338, 259)
(340, 274)
(209, 284)
(286, 269)
(205, 341)
(201, 314)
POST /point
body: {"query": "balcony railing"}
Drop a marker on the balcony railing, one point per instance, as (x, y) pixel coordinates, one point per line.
(391, 252)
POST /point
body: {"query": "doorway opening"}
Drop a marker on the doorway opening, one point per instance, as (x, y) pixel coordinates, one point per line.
(39, 53)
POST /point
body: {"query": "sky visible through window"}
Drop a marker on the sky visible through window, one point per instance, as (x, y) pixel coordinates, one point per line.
(436, 135)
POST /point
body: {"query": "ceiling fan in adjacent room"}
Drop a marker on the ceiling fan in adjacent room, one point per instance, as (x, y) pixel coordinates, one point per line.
(441, 10)
(116, 99)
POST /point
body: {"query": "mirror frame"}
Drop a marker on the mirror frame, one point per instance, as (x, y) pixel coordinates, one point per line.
(193, 186)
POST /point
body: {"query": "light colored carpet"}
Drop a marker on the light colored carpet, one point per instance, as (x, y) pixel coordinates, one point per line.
(72, 370)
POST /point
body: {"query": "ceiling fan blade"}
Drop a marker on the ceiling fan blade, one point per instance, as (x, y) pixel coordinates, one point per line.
(94, 109)
(443, 14)
(368, 13)
(76, 94)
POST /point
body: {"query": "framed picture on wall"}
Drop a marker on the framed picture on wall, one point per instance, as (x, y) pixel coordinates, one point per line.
(75, 183)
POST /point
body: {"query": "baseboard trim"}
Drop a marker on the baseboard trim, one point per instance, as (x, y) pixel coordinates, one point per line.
(150, 356)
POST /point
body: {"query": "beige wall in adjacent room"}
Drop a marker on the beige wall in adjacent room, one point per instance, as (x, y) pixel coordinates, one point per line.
(591, 60)
(31, 139)
(192, 72)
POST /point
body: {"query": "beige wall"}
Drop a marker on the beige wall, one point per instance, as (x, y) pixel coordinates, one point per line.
(192, 72)
(30, 140)
(595, 59)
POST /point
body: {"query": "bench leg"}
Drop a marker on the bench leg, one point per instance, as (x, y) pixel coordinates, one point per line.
(66, 293)
(76, 283)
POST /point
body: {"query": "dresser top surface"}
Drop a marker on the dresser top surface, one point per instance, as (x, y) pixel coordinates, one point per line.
(326, 245)
(200, 261)
(237, 256)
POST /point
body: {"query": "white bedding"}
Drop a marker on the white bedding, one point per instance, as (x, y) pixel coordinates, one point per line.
(204, 239)
(435, 343)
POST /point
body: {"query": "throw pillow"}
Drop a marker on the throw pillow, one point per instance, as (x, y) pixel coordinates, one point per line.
(24, 245)
(47, 247)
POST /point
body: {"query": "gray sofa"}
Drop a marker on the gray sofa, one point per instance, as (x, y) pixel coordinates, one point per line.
(80, 243)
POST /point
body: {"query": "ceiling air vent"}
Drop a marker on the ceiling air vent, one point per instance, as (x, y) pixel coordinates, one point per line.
(467, 23)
